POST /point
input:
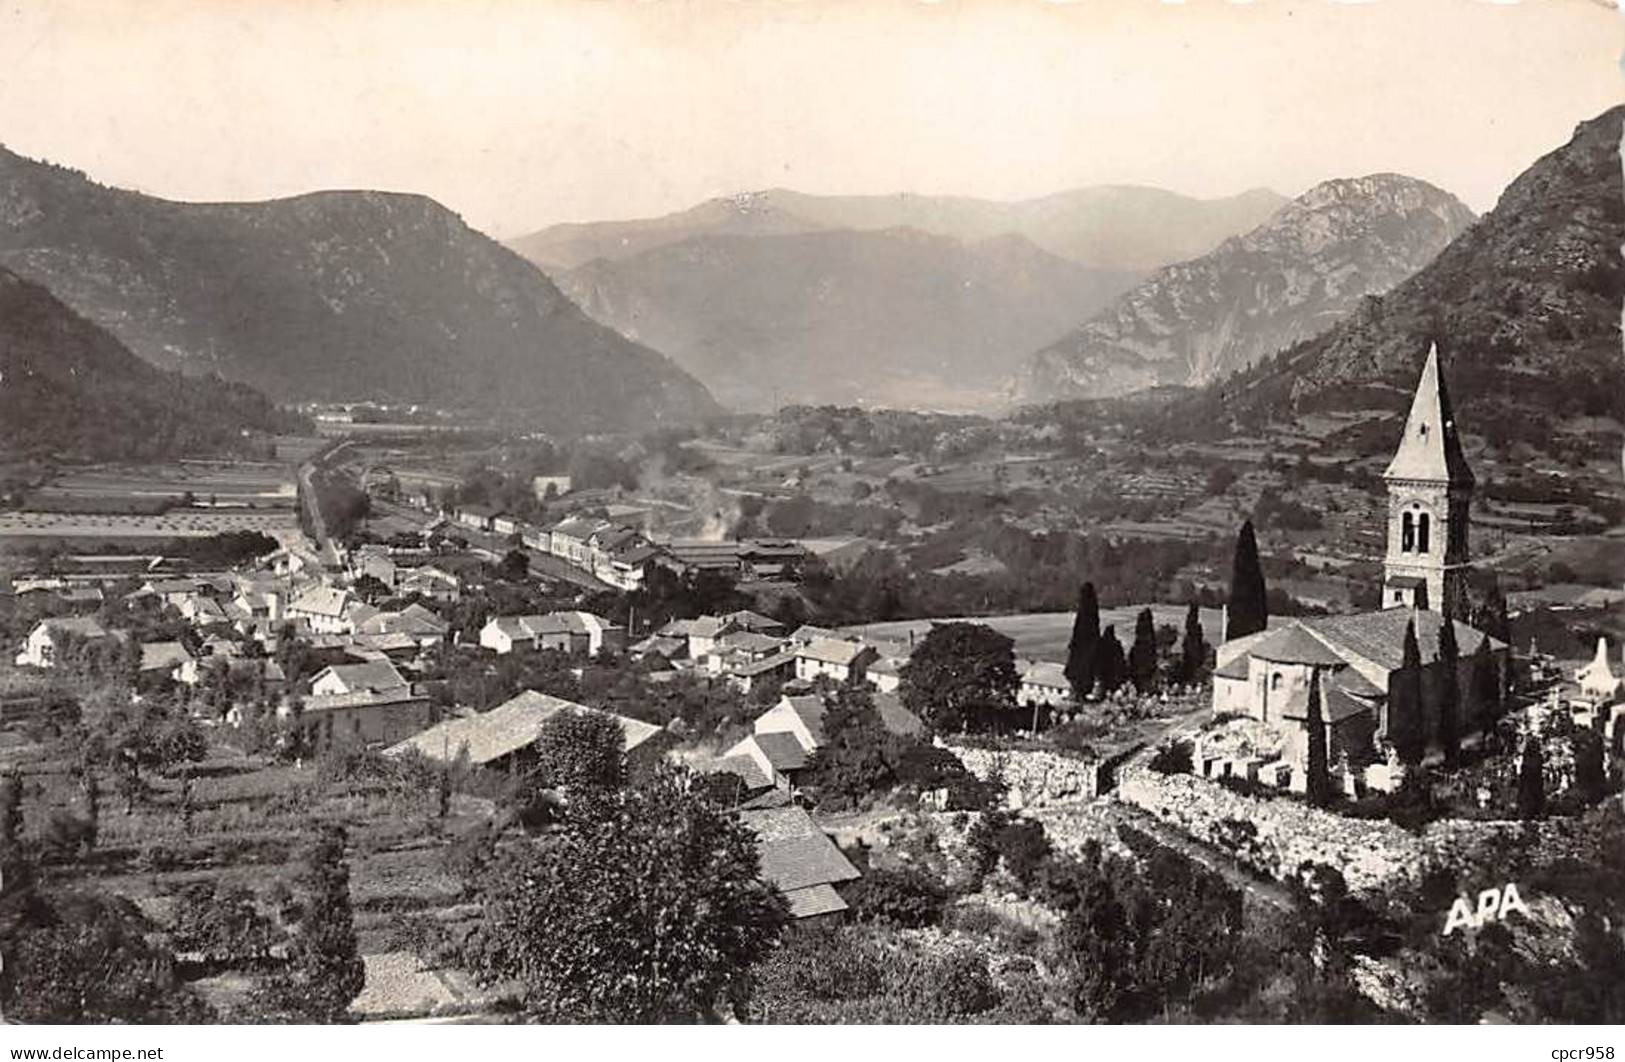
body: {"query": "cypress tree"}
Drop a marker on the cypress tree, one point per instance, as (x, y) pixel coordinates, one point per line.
(1486, 688)
(324, 971)
(1110, 667)
(1142, 655)
(1193, 650)
(1532, 781)
(1319, 779)
(1248, 611)
(1449, 694)
(1405, 720)
(1590, 778)
(1080, 651)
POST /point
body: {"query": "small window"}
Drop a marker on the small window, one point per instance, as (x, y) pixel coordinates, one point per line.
(1275, 681)
(1422, 430)
(1407, 533)
(1422, 533)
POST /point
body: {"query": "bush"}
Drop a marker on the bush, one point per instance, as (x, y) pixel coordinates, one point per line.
(1173, 759)
(907, 898)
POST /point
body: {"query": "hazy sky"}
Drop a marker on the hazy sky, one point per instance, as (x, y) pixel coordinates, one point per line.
(520, 114)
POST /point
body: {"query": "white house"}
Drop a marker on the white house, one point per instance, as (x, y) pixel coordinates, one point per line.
(375, 676)
(323, 607)
(834, 658)
(1044, 683)
(39, 649)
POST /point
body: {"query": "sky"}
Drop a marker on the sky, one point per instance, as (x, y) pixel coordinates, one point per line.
(523, 113)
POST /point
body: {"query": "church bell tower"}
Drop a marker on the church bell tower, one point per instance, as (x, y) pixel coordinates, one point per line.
(1429, 490)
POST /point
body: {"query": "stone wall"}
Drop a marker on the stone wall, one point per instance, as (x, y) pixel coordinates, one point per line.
(1275, 836)
(1034, 779)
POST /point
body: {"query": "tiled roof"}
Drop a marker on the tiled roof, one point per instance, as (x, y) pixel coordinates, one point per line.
(745, 619)
(808, 633)
(814, 900)
(361, 699)
(832, 650)
(1046, 674)
(1235, 669)
(83, 626)
(1294, 645)
(810, 709)
(375, 675)
(782, 750)
(795, 853)
(1380, 636)
(748, 770)
(707, 626)
(163, 655)
(751, 641)
(895, 718)
(763, 666)
(321, 601)
(508, 728)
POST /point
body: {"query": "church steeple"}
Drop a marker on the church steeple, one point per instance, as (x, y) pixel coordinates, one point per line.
(1429, 493)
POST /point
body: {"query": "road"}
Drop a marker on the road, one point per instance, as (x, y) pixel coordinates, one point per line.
(1220, 862)
(327, 553)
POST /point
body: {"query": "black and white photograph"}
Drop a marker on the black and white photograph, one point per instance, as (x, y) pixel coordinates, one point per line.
(811, 513)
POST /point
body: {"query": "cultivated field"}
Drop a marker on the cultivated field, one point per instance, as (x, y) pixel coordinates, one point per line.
(38, 528)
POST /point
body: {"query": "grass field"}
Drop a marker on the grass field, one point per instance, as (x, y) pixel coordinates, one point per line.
(1044, 635)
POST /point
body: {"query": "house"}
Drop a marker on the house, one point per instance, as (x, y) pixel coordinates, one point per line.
(606, 542)
(703, 632)
(414, 621)
(746, 675)
(48, 637)
(629, 567)
(476, 517)
(1044, 683)
(364, 717)
(323, 608)
(885, 674)
(546, 487)
(771, 558)
(755, 622)
(776, 754)
(431, 582)
(505, 524)
(500, 738)
(376, 676)
(802, 717)
(800, 860)
(1355, 660)
(833, 658)
(569, 632)
(164, 658)
(374, 561)
(568, 540)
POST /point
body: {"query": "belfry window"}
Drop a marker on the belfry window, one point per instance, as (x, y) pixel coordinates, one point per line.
(1407, 532)
(1275, 681)
(1422, 533)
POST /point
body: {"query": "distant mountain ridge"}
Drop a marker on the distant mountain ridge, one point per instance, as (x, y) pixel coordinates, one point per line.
(69, 390)
(1287, 280)
(333, 295)
(888, 317)
(1113, 227)
(1525, 307)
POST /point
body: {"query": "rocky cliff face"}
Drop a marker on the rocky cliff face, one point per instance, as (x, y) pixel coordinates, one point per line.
(1287, 280)
(330, 296)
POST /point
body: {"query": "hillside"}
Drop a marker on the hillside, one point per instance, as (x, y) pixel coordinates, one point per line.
(333, 295)
(894, 317)
(1525, 307)
(69, 391)
(1286, 281)
(1115, 227)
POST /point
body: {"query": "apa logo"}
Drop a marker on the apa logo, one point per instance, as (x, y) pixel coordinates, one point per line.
(1493, 906)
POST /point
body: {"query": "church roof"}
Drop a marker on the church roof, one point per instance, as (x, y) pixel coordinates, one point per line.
(1430, 449)
(1380, 636)
(1294, 645)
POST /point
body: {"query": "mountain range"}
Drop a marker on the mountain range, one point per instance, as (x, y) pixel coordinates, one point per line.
(333, 295)
(1285, 281)
(70, 390)
(890, 317)
(1116, 227)
(1525, 307)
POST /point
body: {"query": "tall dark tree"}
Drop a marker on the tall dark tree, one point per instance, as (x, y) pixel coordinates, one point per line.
(1111, 668)
(1590, 776)
(576, 750)
(1486, 688)
(1249, 612)
(1532, 781)
(324, 971)
(1406, 727)
(1449, 694)
(1080, 651)
(1142, 655)
(1318, 773)
(1193, 649)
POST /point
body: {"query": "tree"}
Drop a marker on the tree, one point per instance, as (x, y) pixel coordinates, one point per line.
(1111, 669)
(961, 675)
(580, 750)
(1590, 774)
(1142, 655)
(1532, 781)
(1486, 687)
(645, 906)
(1405, 726)
(1193, 649)
(1449, 694)
(324, 971)
(858, 754)
(515, 566)
(1249, 612)
(1319, 779)
(1080, 650)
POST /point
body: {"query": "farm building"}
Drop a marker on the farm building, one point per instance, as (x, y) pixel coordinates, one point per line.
(501, 737)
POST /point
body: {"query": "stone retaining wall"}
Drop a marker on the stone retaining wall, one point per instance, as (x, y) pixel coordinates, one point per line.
(1034, 779)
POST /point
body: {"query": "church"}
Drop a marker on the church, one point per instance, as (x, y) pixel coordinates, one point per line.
(1357, 657)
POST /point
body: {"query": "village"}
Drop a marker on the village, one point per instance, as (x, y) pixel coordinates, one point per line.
(420, 690)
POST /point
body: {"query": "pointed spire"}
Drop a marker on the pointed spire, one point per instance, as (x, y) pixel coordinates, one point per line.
(1430, 449)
